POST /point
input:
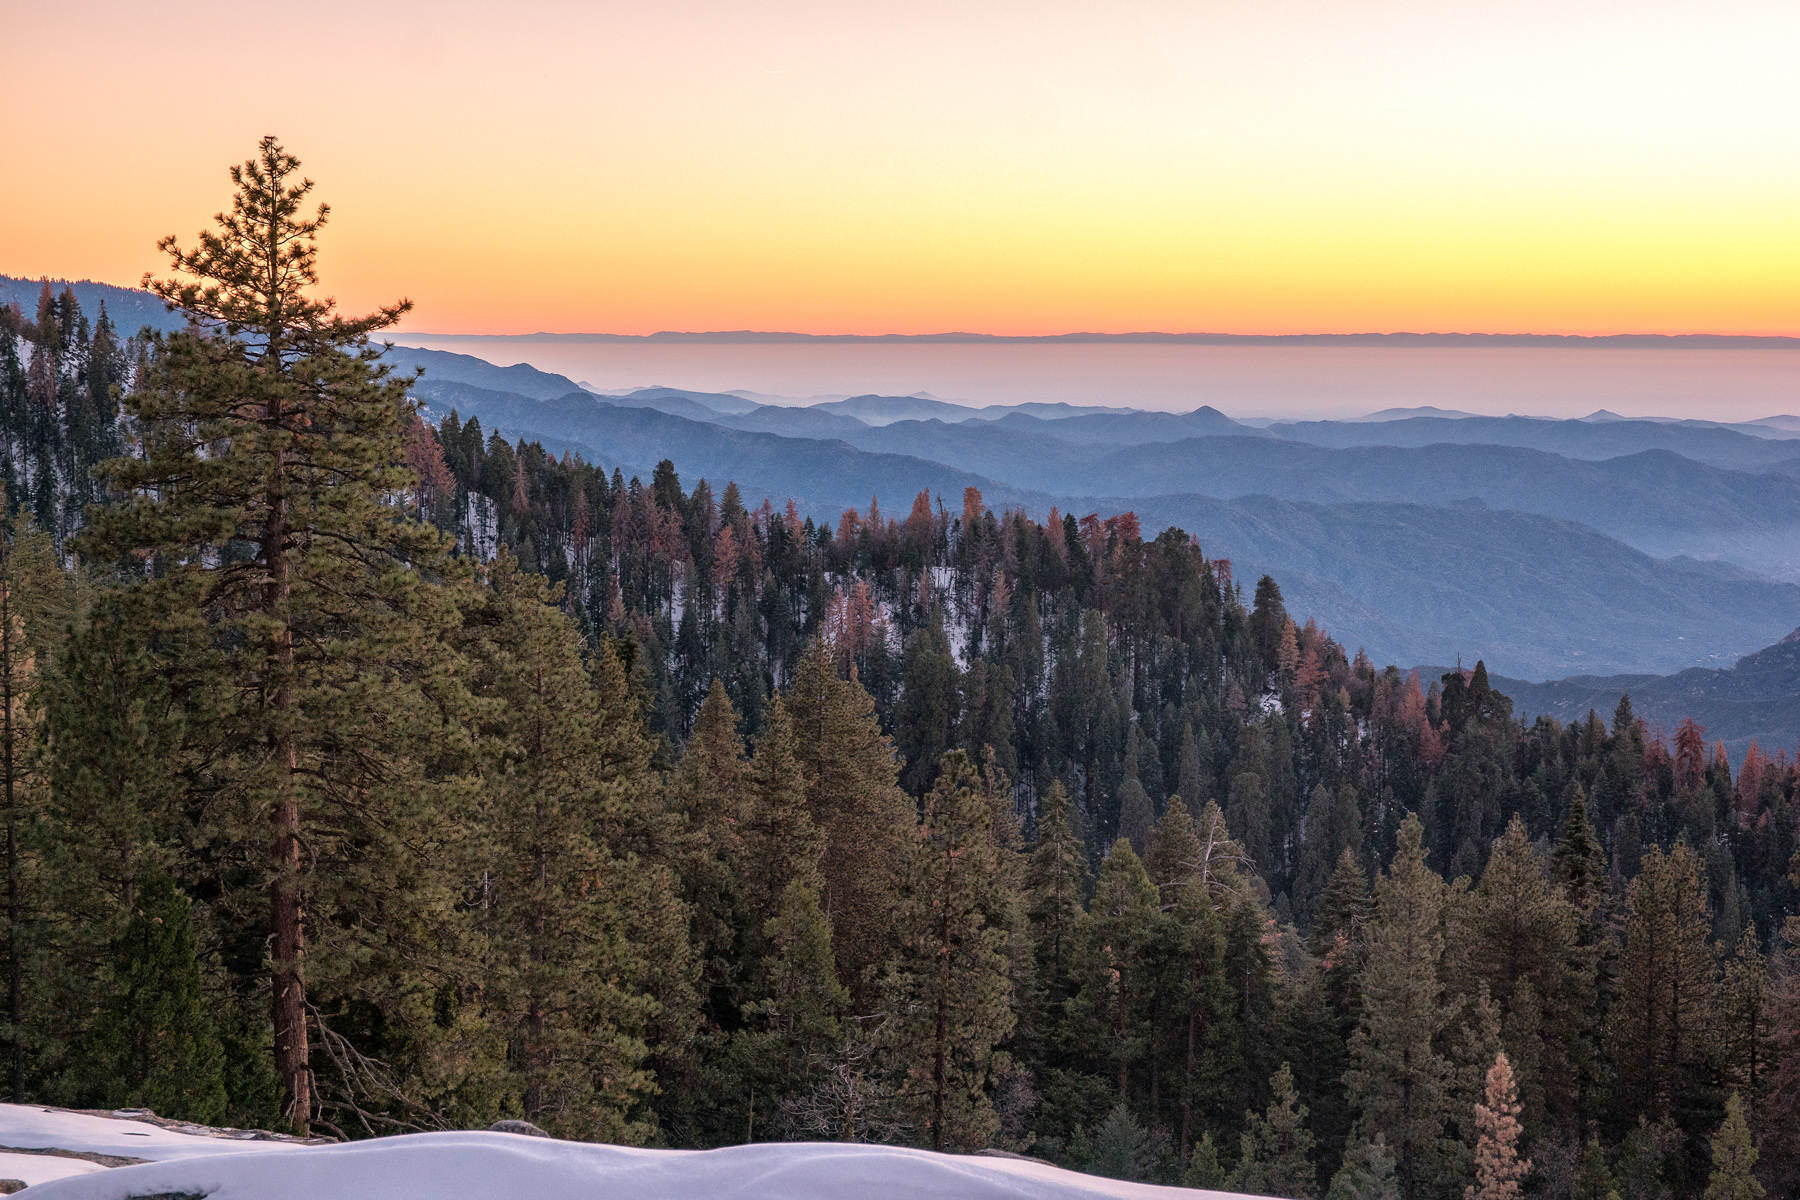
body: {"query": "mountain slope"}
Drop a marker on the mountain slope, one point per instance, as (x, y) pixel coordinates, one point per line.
(130, 308)
(1758, 697)
(823, 477)
(718, 402)
(1130, 429)
(1537, 597)
(1705, 443)
(521, 379)
(1657, 501)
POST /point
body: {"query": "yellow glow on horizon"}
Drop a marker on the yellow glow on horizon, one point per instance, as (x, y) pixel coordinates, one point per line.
(920, 167)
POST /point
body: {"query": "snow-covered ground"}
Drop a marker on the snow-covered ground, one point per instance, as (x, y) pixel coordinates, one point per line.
(487, 1166)
(28, 1127)
(42, 1168)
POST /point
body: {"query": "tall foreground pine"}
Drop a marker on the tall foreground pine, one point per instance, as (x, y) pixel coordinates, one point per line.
(287, 592)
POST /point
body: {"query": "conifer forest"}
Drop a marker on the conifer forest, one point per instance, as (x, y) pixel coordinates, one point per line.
(368, 773)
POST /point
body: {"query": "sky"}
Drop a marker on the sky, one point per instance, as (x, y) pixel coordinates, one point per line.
(870, 167)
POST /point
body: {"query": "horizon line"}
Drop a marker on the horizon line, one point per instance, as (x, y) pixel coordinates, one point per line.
(772, 337)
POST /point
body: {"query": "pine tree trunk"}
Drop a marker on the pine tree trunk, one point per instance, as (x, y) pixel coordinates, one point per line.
(289, 987)
(288, 991)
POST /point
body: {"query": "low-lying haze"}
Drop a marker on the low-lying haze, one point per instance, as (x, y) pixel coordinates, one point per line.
(1287, 382)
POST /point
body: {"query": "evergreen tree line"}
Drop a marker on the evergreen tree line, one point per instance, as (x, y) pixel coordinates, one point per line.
(60, 375)
(365, 776)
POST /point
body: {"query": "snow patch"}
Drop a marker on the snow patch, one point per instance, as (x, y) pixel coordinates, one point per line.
(31, 1169)
(479, 1166)
(26, 1127)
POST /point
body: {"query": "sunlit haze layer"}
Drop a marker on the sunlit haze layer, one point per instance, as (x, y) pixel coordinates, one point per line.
(1291, 382)
(1006, 167)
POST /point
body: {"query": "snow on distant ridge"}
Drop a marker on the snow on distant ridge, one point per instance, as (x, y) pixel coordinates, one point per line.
(480, 1166)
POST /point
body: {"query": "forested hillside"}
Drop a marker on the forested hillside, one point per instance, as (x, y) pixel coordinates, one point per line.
(364, 774)
(1497, 552)
(59, 371)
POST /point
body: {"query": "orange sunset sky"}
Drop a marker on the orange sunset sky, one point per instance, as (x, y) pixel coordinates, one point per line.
(866, 167)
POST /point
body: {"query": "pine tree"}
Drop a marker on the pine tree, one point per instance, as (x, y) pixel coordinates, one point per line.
(1733, 1158)
(1337, 940)
(1055, 881)
(850, 775)
(568, 928)
(1333, 825)
(1274, 1160)
(270, 444)
(1342, 911)
(1593, 1181)
(707, 796)
(154, 1045)
(1519, 937)
(1247, 812)
(950, 992)
(794, 1021)
(1745, 1021)
(1367, 1174)
(1193, 781)
(1400, 1079)
(32, 598)
(1779, 1117)
(930, 707)
(1174, 852)
(1121, 1146)
(1115, 969)
(1268, 621)
(1666, 987)
(781, 845)
(1136, 814)
(1499, 1171)
(1579, 861)
(1203, 1169)
(1650, 1160)
(1192, 1015)
(114, 720)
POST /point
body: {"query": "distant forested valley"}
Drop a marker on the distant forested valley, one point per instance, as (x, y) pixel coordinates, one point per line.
(374, 766)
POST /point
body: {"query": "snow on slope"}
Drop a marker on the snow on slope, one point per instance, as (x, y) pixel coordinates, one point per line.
(27, 1127)
(41, 1168)
(483, 1166)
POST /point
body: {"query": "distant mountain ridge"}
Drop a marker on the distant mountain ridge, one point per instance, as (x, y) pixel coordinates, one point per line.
(741, 337)
(1757, 697)
(1411, 582)
(1405, 535)
(1534, 595)
(135, 301)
